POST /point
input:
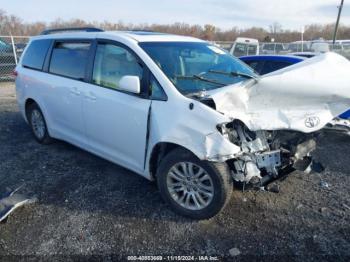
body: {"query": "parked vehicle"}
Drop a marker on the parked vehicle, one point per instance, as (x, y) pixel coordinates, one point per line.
(226, 45)
(5, 47)
(7, 60)
(178, 110)
(265, 64)
(341, 47)
(273, 48)
(299, 46)
(20, 47)
(320, 47)
(245, 46)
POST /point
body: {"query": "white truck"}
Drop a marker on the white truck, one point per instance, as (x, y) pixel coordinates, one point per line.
(245, 46)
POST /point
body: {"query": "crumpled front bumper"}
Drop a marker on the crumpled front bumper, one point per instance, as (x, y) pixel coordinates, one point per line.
(339, 125)
(289, 152)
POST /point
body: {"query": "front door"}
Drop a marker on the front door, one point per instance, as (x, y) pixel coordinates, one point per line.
(115, 121)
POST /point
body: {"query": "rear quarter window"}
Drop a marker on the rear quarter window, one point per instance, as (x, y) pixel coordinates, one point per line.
(34, 56)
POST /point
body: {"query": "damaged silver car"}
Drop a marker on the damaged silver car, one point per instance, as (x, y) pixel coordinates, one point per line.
(179, 110)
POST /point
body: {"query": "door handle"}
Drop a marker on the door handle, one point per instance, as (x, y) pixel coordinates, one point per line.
(90, 96)
(75, 91)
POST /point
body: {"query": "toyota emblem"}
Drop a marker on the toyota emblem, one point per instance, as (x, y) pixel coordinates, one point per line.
(312, 122)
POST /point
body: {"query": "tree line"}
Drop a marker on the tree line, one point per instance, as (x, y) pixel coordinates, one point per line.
(11, 24)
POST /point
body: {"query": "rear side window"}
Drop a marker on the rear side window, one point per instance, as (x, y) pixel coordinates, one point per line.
(69, 59)
(35, 55)
(271, 66)
(253, 64)
(256, 65)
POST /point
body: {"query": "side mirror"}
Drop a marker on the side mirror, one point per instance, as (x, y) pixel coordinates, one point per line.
(130, 84)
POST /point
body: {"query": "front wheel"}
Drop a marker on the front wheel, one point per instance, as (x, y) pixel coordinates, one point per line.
(194, 188)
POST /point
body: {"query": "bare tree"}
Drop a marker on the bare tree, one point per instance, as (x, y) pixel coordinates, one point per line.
(275, 28)
(209, 32)
(10, 24)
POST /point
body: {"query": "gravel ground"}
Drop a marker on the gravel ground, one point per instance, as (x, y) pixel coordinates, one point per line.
(90, 208)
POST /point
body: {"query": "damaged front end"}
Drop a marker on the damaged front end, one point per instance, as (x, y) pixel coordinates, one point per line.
(276, 119)
(267, 155)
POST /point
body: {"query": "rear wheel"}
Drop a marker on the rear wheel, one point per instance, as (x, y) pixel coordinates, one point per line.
(38, 124)
(194, 188)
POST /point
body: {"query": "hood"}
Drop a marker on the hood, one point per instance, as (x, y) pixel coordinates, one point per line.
(303, 97)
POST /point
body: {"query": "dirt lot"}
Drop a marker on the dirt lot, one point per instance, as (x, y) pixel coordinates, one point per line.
(88, 206)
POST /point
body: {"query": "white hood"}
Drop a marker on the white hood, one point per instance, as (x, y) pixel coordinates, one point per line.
(302, 97)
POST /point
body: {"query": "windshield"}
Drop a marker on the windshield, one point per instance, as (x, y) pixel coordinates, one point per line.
(195, 67)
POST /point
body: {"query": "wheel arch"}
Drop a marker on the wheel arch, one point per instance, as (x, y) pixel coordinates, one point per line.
(159, 151)
(27, 104)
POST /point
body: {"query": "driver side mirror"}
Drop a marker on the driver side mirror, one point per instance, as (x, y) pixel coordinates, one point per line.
(130, 84)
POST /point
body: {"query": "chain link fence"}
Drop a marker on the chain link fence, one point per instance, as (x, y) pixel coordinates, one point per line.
(11, 49)
(341, 47)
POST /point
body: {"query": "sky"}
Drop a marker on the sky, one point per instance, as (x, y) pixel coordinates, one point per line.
(291, 14)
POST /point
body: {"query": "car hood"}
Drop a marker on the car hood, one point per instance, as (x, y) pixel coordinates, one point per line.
(302, 97)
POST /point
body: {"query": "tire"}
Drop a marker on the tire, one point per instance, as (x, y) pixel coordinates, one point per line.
(38, 124)
(174, 192)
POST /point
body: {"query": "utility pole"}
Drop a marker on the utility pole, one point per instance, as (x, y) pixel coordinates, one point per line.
(337, 23)
(14, 49)
(302, 38)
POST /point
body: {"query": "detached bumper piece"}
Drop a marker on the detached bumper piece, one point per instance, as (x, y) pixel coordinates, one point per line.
(10, 201)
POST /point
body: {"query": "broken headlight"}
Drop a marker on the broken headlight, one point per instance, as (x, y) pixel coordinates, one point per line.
(228, 132)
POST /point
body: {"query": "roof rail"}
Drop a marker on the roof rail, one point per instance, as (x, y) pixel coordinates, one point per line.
(68, 29)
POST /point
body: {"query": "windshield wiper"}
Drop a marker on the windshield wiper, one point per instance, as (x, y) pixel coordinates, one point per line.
(201, 78)
(234, 73)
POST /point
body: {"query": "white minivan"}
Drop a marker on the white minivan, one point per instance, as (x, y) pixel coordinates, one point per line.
(175, 109)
